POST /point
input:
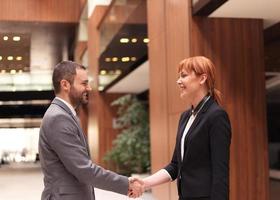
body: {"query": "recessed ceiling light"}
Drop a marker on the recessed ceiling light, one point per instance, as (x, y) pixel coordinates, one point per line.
(133, 40)
(125, 59)
(13, 71)
(114, 59)
(5, 38)
(108, 59)
(103, 72)
(16, 38)
(3, 71)
(146, 40)
(10, 58)
(1, 57)
(124, 40)
(133, 58)
(18, 58)
(100, 88)
(20, 71)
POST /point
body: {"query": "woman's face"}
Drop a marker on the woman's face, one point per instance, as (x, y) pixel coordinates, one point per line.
(189, 83)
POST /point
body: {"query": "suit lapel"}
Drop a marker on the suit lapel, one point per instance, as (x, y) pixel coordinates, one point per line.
(80, 132)
(184, 123)
(182, 127)
(196, 122)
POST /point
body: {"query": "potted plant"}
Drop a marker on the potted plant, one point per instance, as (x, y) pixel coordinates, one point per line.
(131, 148)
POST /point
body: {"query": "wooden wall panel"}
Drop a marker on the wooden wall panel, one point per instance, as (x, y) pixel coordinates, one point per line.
(236, 47)
(42, 11)
(106, 130)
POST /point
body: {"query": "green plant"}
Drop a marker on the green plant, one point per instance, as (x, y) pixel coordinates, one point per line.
(131, 148)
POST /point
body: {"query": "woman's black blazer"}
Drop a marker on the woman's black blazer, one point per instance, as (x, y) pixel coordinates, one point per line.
(204, 170)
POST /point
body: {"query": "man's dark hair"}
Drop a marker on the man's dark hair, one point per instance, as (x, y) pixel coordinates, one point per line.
(64, 70)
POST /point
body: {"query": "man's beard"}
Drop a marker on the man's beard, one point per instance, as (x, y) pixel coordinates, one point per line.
(78, 99)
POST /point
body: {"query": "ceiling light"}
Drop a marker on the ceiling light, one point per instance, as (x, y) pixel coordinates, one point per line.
(103, 72)
(124, 40)
(133, 58)
(18, 58)
(20, 71)
(146, 40)
(13, 71)
(10, 58)
(3, 71)
(133, 40)
(1, 57)
(108, 59)
(16, 38)
(125, 59)
(100, 88)
(114, 59)
(5, 38)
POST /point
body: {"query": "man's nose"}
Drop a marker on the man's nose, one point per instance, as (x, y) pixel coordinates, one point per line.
(88, 88)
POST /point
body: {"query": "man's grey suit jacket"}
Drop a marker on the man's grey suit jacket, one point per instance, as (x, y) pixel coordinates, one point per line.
(69, 173)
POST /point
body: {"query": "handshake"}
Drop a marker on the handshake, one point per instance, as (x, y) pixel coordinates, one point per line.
(136, 187)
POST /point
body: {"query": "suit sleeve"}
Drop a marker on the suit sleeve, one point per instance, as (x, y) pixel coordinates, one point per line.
(220, 137)
(66, 143)
(172, 167)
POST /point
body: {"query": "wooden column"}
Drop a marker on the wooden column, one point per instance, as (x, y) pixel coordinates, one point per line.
(168, 28)
(95, 99)
(100, 112)
(236, 48)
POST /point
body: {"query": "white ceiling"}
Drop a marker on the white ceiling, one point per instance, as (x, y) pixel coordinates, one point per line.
(269, 10)
(136, 82)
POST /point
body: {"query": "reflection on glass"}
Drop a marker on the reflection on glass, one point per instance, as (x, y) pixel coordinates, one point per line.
(123, 40)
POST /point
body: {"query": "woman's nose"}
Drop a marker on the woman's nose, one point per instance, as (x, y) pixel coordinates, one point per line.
(178, 81)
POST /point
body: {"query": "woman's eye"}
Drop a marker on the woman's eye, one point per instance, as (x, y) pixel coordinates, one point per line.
(183, 75)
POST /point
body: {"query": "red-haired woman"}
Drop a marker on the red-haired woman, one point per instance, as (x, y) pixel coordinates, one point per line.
(200, 162)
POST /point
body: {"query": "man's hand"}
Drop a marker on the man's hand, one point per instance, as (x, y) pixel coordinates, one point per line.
(136, 187)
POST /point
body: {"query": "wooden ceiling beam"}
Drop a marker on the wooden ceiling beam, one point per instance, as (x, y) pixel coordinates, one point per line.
(62, 11)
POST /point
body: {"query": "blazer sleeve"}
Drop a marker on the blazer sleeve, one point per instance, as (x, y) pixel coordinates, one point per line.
(220, 138)
(74, 156)
(172, 168)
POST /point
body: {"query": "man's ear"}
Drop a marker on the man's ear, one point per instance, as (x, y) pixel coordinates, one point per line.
(64, 84)
(203, 79)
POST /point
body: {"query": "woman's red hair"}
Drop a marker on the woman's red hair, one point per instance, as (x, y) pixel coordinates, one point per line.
(202, 65)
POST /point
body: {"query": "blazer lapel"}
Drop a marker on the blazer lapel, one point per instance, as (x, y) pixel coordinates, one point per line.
(182, 127)
(183, 124)
(196, 122)
(80, 132)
